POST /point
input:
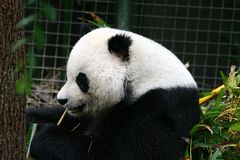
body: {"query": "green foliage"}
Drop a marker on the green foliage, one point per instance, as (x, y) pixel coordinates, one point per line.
(224, 77)
(26, 21)
(24, 84)
(39, 38)
(217, 136)
(49, 11)
(206, 93)
(31, 61)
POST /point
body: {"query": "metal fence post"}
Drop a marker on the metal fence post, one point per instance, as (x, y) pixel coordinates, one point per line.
(123, 14)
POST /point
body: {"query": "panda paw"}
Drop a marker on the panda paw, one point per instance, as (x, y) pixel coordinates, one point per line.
(50, 115)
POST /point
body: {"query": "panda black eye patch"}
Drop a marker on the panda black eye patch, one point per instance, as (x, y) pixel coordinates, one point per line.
(82, 82)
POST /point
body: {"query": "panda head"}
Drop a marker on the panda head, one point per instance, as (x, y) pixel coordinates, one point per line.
(107, 66)
(96, 73)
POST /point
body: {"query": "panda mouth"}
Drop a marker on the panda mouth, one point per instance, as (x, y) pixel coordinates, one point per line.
(76, 109)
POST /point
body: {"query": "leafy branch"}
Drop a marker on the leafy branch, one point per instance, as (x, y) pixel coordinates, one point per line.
(217, 136)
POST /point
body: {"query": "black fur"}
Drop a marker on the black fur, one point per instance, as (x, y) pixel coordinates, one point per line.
(127, 89)
(82, 82)
(119, 45)
(150, 128)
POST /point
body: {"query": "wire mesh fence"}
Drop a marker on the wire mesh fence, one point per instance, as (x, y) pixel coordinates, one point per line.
(201, 32)
(204, 33)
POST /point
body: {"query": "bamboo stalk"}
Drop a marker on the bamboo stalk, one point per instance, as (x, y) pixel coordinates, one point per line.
(213, 93)
(63, 115)
(33, 131)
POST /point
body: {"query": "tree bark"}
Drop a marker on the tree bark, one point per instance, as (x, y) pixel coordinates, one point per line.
(12, 106)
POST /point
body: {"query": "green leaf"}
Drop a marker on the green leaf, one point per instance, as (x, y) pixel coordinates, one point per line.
(23, 85)
(212, 114)
(196, 143)
(39, 38)
(200, 126)
(186, 154)
(224, 77)
(31, 60)
(49, 11)
(19, 44)
(225, 136)
(232, 83)
(229, 155)
(235, 127)
(205, 93)
(238, 79)
(25, 21)
(215, 155)
(216, 138)
(219, 98)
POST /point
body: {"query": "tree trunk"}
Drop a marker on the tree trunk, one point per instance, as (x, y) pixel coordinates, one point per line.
(12, 106)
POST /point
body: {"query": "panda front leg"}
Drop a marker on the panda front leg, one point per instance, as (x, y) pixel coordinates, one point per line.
(52, 142)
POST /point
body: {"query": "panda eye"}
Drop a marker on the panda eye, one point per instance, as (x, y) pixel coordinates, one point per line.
(82, 82)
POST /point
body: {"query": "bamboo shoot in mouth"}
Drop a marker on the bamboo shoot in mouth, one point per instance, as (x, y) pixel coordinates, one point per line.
(63, 115)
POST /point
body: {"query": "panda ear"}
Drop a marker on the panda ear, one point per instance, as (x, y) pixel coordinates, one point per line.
(119, 45)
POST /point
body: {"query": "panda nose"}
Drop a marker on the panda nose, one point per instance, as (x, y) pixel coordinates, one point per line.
(62, 101)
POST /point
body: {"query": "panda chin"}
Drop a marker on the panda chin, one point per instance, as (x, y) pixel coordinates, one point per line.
(76, 110)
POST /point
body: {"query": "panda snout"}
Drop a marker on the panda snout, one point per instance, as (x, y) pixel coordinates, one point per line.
(62, 101)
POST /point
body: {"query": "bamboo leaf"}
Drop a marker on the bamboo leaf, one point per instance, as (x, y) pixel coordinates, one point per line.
(19, 44)
(198, 126)
(238, 79)
(23, 85)
(219, 98)
(224, 77)
(205, 93)
(31, 60)
(39, 38)
(215, 155)
(235, 127)
(49, 11)
(201, 144)
(25, 21)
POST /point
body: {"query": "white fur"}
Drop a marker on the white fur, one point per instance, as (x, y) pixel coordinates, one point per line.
(150, 66)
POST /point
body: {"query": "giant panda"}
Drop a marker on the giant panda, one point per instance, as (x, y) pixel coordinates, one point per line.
(128, 98)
